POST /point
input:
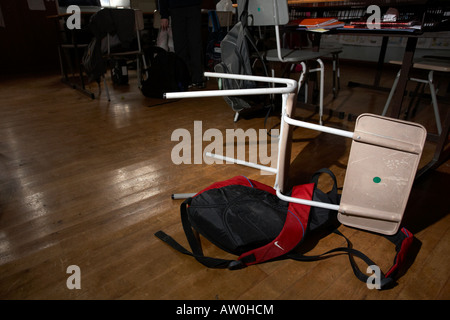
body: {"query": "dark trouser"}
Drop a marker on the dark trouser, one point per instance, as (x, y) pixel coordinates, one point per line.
(187, 39)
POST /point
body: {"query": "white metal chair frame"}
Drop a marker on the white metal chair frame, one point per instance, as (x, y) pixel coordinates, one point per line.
(288, 93)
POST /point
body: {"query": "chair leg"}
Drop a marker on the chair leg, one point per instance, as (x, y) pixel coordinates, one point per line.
(306, 91)
(338, 70)
(106, 88)
(138, 71)
(411, 111)
(142, 70)
(320, 69)
(236, 117)
(388, 102)
(322, 76)
(334, 76)
(301, 79)
(273, 84)
(435, 105)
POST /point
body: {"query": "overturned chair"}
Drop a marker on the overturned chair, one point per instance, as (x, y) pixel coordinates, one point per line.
(383, 160)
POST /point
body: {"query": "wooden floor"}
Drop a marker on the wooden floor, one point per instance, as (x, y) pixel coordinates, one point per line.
(86, 182)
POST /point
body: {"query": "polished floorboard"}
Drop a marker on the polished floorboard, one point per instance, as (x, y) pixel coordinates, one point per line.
(88, 182)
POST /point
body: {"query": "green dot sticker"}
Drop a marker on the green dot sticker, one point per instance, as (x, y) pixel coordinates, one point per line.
(377, 179)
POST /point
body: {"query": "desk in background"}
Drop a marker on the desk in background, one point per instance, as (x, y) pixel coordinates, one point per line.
(433, 16)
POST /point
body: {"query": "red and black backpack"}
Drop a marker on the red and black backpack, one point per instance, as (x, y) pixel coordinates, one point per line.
(246, 218)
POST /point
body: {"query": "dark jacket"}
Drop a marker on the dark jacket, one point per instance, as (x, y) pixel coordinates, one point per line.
(166, 5)
(113, 21)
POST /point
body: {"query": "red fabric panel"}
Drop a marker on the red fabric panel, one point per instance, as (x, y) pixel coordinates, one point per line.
(401, 254)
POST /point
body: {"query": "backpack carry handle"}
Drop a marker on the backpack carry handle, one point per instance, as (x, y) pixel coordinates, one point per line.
(334, 190)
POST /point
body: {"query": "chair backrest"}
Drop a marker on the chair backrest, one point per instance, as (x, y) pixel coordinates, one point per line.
(138, 25)
(265, 12)
(225, 19)
(139, 19)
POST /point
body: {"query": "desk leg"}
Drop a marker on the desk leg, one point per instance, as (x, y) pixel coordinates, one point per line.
(440, 154)
(315, 41)
(408, 57)
(64, 55)
(380, 63)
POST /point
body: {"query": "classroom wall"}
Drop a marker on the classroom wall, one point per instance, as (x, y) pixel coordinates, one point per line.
(27, 36)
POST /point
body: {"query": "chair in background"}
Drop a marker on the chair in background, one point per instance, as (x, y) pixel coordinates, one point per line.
(224, 19)
(219, 23)
(136, 54)
(334, 51)
(117, 29)
(276, 13)
(71, 45)
(431, 64)
(305, 42)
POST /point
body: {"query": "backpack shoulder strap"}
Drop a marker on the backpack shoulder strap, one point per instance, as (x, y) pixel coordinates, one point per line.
(194, 242)
(402, 240)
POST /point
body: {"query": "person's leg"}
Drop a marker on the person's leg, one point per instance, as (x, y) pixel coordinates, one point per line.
(194, 44)
(179, 34)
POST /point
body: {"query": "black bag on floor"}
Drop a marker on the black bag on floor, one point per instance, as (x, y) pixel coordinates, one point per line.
(119, 72)
(246, 218)
(167, 73)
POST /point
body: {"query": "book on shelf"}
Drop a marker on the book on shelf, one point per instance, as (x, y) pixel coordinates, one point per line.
(389, 25)
(317, 23)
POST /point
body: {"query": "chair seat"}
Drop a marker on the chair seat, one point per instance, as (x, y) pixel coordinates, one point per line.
(326, 50)
(293, 55)
(331, 49)
(72, 46)
(428, 64)
(126, 53)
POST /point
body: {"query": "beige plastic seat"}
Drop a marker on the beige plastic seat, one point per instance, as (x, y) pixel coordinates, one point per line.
(383, 161)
